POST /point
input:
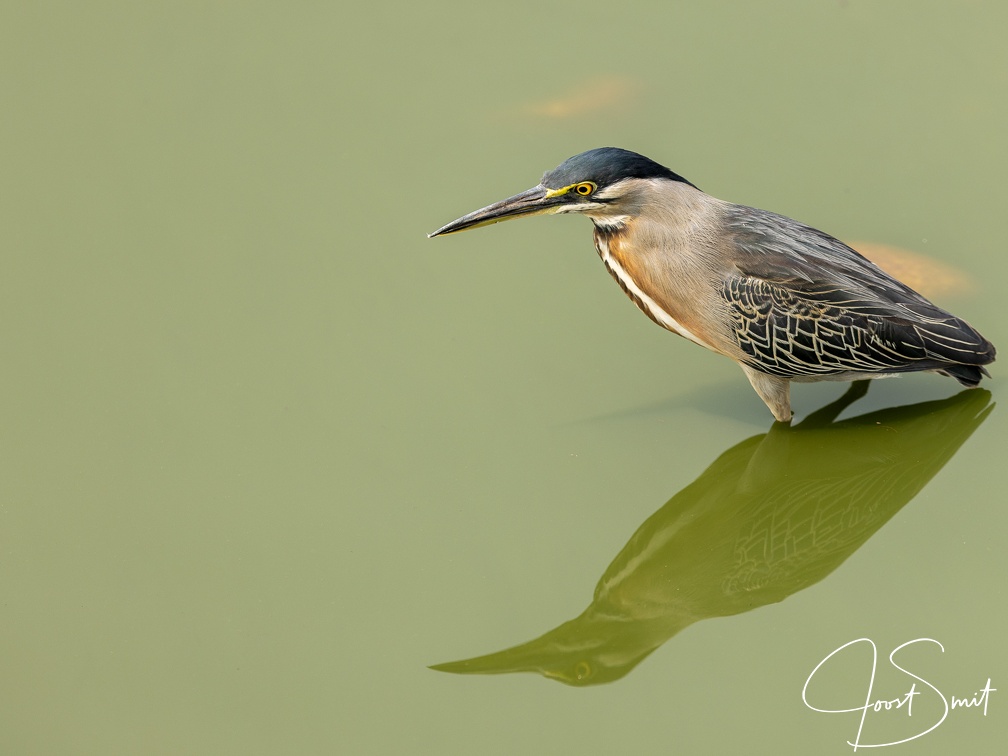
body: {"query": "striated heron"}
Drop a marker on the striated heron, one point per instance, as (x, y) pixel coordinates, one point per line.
(785, 301)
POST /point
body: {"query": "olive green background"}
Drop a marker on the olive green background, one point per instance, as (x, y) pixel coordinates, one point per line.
(268, 452)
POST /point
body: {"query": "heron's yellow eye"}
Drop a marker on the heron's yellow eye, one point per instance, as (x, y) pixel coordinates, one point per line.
(584, 188)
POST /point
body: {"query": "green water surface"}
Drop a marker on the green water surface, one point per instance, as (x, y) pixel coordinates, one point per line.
(269, 453)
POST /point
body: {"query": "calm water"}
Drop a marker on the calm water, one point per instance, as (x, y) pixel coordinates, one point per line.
(270, 453)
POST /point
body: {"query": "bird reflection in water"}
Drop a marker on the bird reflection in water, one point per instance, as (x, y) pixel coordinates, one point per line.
(771, 516)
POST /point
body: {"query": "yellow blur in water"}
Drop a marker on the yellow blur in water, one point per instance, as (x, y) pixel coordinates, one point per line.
(931, 278)
(592, 96)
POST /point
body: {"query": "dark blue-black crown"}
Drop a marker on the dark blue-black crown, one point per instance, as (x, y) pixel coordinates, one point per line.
(605, 166)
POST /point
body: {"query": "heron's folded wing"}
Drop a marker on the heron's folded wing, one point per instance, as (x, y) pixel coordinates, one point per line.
(803, 303)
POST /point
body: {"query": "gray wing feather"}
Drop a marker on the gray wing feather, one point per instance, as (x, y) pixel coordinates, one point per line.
(804, 304)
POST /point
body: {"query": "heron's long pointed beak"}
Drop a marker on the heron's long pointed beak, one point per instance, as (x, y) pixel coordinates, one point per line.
(536, 201)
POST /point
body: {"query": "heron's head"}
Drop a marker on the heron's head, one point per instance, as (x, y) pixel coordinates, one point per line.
(596, 183)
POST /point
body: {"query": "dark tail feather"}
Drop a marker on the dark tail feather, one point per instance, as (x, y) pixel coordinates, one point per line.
(967, 375)
(959, 342)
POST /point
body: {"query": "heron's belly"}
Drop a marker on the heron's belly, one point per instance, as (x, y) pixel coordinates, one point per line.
(845, 376)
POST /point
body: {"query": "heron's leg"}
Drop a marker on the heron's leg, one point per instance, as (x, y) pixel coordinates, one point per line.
(826, 415)
(774, 391)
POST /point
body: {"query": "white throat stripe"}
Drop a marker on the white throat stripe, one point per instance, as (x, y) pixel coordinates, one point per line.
(652, 308)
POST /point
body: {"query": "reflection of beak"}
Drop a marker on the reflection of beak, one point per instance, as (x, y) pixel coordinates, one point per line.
(536, 201)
